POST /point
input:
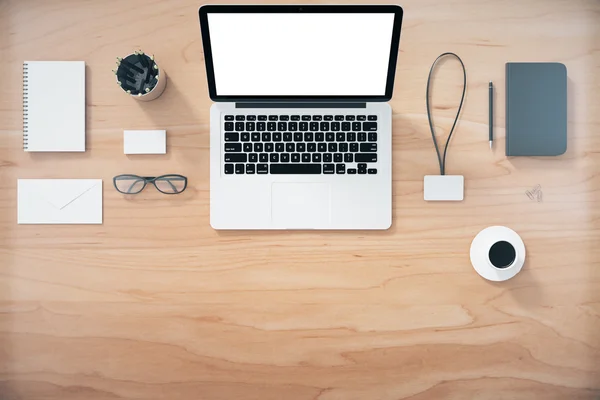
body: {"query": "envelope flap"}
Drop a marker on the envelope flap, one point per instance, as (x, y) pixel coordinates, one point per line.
(62, 192)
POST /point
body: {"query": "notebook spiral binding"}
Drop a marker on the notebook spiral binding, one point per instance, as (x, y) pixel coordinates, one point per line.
(25, 106)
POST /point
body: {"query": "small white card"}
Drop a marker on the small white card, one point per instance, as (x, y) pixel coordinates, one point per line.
(444, 187)
(145, 142)
(59, 201)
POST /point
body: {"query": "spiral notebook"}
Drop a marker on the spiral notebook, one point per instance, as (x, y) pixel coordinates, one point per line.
(54, 106)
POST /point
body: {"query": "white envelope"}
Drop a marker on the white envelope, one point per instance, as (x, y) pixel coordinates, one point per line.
(59, 201)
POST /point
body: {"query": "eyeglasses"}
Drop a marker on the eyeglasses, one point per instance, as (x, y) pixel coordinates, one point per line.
(133, 184)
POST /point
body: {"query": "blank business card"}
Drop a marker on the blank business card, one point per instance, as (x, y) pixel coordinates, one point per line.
(145, 142)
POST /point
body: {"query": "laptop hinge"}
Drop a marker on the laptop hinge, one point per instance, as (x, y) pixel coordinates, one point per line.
(300, 105)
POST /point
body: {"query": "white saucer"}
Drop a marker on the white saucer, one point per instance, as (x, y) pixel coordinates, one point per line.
(480, 248)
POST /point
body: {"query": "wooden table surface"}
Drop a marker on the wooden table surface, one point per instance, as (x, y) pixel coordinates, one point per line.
(155, 304)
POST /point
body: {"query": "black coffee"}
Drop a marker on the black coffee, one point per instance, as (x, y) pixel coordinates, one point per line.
(502, 254)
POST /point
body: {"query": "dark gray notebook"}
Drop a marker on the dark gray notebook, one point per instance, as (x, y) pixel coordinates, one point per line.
(536, 109)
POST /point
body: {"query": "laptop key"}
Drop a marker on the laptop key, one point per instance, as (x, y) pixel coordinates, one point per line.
(362, 137)
(287, 136)
(274, 157)
(327, 157)
(356, 126)
(362, 168)
(250, 117)
(306, 118)
(277, 136)
(305, 157)
(284, 117)
(335, 126)
(372, 136)
(282, 126)
(228, 126)
(328, 117)
(350, 118)
(354, 147)
(351, 137)
(319, 136)
(369, 126)
(261, 126)
(316, 157)
(285, 157)
(322, 147)
(239, 168)
(269, 147)
(311, 147)
(262, 168)
(240, 117)
(263, 157)
(328, 168)
(295, 118)
(300, 169)
(290, 147)
(303, 126)
(365, 157)
(273, 118)
(262, 117)
(332, 147)
(339, 118)
(232, 137)
(252, 157)
(293, 126)
(247, 147)
(308, 137)
(228, 169)
(330, 136)
(233, 147)
(372, 117)
(361, 117)
(314, 126)
(279, 147)
(368, 147)
(255, 136)
(340, 136)
(236, 157)
(348, 157)
(295, 157)
(301, 147)
(351, 171)
(297, 136)
(345, 126)
(245, 136)
(338, 158)
(239, 126)
(258, 147)
(372, 171)
(343, 147)
(250, 126)
(266, 136)
(317, 117)
(229, 118)
(340, 168)
(324, 126)
(250, 169)
(271, 126)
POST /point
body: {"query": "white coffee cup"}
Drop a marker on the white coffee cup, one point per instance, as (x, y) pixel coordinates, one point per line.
(497, 253)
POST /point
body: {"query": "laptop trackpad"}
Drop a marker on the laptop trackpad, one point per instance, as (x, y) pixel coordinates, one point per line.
(300, 205)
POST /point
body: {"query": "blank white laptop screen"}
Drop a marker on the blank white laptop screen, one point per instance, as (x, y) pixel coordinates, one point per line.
(324, 54)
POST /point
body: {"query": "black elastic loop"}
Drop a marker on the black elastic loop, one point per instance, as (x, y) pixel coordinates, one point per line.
(442, 160)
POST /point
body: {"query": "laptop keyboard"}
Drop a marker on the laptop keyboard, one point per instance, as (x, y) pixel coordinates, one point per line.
(300, 144)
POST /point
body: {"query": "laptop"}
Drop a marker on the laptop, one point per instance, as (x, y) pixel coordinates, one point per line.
(300, 128)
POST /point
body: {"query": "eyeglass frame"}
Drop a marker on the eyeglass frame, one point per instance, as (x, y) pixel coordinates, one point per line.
(151, 179)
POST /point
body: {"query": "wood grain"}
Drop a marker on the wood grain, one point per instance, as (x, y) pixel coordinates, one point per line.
(154, 304)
